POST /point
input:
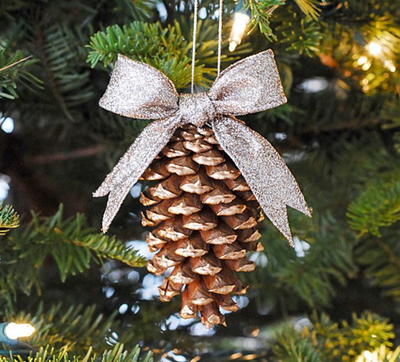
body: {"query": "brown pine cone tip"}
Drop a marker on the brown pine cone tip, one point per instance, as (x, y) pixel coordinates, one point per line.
(204, 220)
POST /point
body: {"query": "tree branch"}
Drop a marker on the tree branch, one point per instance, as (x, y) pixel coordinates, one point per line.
(67, 155)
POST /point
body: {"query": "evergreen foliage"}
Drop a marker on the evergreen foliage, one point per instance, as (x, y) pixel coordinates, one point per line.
(381, 259)
(165, 48)
(13, 71)
(9, 219)
(70, 243)
(377, 206)
(88, 294)
(116, 354)
(330, 341)
(147, 43)
(80, 330)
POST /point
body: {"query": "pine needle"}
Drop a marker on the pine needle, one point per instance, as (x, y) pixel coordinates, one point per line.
(9, 219)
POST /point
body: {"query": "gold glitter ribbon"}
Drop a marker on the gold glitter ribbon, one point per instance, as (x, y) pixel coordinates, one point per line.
(251, 85)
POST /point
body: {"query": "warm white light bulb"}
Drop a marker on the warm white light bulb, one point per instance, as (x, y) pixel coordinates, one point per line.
(314, 85)
(374, 48)
(240, 22)
(368, 356)
(366, 66)
(16, 330)
(362, 60)
(389, 65)
(6, 124)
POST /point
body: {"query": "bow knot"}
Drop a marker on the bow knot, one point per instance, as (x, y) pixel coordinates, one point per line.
(251, 85)
(197, 109)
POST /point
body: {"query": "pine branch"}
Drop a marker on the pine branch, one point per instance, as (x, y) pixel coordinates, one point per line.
(60, 50)
(377, 206)
(164, 48)
(381, 259)
(309, 275)
(70, 243)
(261, 12)
(9, 219)
(14, 72)
(62, 354)
(83, 152)
(118, 353)
(291, 346)
(366, 332)
(309, 8)
(300, 35)
(78, 328)
(17, 62)
(79, 331)
(327, 341)
(106, 247)
(142, 10)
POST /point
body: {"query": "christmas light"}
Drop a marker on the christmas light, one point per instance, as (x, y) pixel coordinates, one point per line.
(374, 48)
(6, 124)
(4, 186)
(241, 19)
(314, 85)
(18, 330)
(9, 336)
(362, 60)
(366, 66)
(389, 65)
(368, 356)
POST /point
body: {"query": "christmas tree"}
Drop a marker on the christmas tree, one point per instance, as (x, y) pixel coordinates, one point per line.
(68, 292)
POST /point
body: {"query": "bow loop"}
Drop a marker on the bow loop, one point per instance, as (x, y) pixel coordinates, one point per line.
(250, 85)
(138, 90)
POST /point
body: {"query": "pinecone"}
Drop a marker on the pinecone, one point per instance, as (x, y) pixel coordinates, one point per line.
(204, 219)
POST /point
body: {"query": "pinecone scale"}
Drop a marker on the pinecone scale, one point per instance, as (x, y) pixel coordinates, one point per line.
(204, 223)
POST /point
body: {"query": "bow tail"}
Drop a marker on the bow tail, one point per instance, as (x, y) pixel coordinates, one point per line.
(132, 165)
(264, 170)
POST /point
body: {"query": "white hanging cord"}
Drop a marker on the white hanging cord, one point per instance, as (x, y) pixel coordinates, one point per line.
(194, 42)
(221, 13)
(220, 22)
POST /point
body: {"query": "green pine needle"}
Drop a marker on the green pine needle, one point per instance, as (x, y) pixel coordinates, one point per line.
(291, 346)
(376, 207)
(9, 219)
(165, 48)
(14, 72)
(62, 354)
(69, 242)
(309, 8)
(380, 258)
(328, 341)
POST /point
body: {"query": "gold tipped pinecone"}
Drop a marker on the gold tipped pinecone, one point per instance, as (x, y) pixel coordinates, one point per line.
(204, 219)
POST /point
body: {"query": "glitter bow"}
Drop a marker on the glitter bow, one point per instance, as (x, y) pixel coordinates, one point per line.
(251, 85)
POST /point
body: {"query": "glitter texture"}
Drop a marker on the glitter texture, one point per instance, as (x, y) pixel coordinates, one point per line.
(264, 170)
(251, 85)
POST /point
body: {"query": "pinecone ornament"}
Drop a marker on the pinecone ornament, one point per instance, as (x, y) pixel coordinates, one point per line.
(203, 213)
(204, 219)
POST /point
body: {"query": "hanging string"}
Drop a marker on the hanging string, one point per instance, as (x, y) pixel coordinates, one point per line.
(221, 13)
(194, 43)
